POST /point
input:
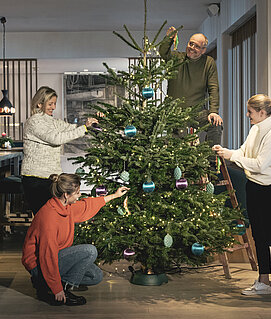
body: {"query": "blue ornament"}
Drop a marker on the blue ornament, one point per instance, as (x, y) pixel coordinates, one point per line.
(130, 130)
(124, 176)
(197, 249)
(177, 173)
(168, 241)
(147, 92)
(148, 187)
(210, 188)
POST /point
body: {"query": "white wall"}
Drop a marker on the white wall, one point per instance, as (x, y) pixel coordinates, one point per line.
(58, 52)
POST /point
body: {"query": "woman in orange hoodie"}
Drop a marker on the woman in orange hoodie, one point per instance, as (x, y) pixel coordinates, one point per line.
(54, 264)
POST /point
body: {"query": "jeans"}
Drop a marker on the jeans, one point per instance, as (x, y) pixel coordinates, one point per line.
(76, 267)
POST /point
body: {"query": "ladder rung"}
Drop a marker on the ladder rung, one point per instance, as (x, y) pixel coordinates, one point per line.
(237, 247)
(222, 183)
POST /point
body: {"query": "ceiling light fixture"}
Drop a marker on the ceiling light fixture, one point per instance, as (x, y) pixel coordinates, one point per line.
(6, 108)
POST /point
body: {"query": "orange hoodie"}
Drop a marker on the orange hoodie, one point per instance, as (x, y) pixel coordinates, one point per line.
(52, 229)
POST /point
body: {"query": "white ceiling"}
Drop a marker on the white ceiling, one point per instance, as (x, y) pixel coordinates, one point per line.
(101, 15)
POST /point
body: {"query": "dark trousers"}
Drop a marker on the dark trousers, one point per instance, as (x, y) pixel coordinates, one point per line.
(36, 192)
(259, 213)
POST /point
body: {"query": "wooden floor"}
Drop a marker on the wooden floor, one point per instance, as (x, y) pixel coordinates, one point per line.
(202, 293)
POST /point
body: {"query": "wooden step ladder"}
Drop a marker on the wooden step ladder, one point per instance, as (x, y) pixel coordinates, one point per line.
(223, 257)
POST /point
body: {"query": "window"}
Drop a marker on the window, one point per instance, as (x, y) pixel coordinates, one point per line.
(242, 80)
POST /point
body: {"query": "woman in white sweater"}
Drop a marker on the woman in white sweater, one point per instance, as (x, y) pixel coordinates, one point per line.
(254, 156)
(43, 137)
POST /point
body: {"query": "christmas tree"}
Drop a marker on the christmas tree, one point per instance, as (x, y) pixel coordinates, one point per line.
(170, 216)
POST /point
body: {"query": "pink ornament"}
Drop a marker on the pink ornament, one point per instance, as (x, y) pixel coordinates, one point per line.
(4, 134)
(181, 183)
(101, 190)
(128, 253)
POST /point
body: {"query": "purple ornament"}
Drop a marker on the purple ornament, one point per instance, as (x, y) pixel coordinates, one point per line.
(128, 253)
(96, 127)
(181, 183)
(101, 190)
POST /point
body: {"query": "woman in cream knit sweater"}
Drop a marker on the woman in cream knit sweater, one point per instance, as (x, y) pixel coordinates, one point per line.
(43, 137)
(254, 157)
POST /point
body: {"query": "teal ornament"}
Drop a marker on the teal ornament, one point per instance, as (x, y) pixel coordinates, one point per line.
(130, 130)
(177, 173)
(148, 187)
(121, 211)
(240, 227)
(197, 249)
(80, 171)
(124, 176)
(147, 92)
(168, 241)
(210, 188)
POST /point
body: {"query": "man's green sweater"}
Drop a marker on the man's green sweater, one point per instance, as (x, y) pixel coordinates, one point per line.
(196, 79)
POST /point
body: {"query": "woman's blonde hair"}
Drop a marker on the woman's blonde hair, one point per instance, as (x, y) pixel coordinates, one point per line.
(64, 183)
(260, 102)
(43, 95)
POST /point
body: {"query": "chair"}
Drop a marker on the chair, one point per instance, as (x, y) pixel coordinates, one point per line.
(13, 208)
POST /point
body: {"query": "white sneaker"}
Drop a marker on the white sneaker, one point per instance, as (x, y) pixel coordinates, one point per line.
(258, 288)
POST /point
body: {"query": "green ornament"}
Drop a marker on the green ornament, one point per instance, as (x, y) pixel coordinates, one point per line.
(121, 211)
(80, 171)
(210, 188)
(124, 176)
(177, 173)
(168, 241)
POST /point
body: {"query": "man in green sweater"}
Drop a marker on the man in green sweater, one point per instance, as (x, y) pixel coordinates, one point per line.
(196, 80)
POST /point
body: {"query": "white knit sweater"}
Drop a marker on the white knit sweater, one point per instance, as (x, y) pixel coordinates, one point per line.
(43, 137)
(254, 156)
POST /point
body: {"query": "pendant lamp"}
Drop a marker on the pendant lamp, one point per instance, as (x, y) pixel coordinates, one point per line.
(6, 108)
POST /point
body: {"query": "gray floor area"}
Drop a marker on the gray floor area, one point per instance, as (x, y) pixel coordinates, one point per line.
(202, 293)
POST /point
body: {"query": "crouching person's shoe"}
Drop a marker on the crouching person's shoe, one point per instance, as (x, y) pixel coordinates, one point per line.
(73, 300)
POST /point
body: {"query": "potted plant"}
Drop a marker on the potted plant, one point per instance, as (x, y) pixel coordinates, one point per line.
(5, 141)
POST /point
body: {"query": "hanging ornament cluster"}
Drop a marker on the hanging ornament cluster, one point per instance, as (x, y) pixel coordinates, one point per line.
(125, 176)
(101, 191)
(177, 173)
(210, 188)
(168, 241)
(130, 130)
(181, 183)
(147, 92)
(197, 249)
(148, 187)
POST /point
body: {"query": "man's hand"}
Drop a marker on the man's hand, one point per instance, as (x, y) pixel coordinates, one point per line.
(170, 31)
(215, 119)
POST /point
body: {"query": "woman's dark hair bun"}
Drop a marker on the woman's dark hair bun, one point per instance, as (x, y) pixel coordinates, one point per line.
(53, 178)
